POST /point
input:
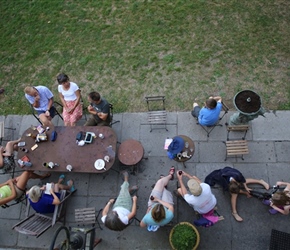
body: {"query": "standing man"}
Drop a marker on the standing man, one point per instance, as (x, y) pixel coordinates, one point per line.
(100, 110)
(209, 114)
(201, 198)
(41, 98)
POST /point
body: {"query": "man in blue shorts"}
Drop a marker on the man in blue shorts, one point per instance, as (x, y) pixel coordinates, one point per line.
(41, 98)
(209, 114)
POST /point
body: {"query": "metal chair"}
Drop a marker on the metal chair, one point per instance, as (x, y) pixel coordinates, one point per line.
(156, 111)
(209, 129)
(112, 122)
(2, 132)
(36, 224)
(58, 107)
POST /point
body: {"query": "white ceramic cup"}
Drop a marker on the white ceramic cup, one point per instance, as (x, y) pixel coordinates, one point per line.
(69, 167)
(107, 158)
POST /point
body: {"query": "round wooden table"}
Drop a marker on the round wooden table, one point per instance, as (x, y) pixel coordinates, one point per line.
(189, 149)
(130, 152)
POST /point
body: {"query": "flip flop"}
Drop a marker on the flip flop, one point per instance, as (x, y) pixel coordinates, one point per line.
(46, 176)
(237, 217)
(62, 176)
(133, 190)
(72, 187)
(172, 171)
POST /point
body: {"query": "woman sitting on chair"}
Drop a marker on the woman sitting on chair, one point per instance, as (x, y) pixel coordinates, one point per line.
(160, 204)
(44, 203)
(13, 189)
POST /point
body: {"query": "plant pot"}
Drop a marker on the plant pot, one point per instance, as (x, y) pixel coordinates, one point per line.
(184, 236)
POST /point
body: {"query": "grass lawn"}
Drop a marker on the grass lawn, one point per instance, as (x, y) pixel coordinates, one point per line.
(127, 50)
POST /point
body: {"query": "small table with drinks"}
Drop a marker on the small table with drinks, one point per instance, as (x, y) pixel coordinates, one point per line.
(187, 152)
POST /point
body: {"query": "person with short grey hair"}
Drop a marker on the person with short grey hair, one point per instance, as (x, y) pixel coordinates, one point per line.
(44, 203)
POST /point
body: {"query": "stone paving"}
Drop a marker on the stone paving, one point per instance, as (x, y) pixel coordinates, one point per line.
(269, 157)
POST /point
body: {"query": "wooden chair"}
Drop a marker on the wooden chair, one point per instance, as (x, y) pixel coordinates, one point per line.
(36, 224)
(209, 129)
(237, 147)
(86, 220)
(156, 113)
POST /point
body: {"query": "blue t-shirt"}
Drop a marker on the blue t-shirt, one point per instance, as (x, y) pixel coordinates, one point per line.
(44, 205)
(208, 117)
(148, 220)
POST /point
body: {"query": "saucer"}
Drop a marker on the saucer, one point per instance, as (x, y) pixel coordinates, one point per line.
(99, 164)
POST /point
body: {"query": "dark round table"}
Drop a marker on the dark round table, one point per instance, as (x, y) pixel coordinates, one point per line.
(188, 149)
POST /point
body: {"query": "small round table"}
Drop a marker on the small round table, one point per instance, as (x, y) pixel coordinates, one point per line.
(189, 149)
(130, 152)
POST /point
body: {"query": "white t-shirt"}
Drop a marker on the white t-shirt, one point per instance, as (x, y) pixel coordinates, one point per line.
(203, 203)
(69, 95)
(122, 213)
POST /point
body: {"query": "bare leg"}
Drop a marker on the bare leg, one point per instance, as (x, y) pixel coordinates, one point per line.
(161, 183)
(255, 181)
(234, 207)
(10, 147)
(21, 181)
(46, 121)
(194, 105)
(59, 186)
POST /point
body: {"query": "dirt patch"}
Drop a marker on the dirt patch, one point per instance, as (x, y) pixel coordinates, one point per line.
(248, 101)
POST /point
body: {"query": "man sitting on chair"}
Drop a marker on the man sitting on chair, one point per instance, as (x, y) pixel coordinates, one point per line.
(100, 110)
(209, 114)
(41, 98)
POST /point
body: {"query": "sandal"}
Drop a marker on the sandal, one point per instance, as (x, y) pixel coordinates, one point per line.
(237, 217)
(133, 190)
(172, 171)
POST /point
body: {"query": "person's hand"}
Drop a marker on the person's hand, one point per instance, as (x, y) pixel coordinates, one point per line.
(112, 201)
(90, 108)
(134, 198)
(248, 189)
(47, 113)
(43, 187)
(36, 98)
(2, 150)
(179, 176)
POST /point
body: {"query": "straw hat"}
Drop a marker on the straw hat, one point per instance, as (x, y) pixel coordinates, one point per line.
(194, 187)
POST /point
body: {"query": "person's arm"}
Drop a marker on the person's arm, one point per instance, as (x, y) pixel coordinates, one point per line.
(102, 116)
(134, 208)
(284, 211)
(142, 224)
(35, 104)
(50, 103)
(13, 192)
(107, 207)
(217, 98)
(56, 200)
(246, 187)
(1, 157)
(182, 186)
(78, 94)
(165, 204)
(282, 183)
(62, 100)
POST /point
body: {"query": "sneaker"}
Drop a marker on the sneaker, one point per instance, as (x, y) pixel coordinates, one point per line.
(266, 202)
(273, 211)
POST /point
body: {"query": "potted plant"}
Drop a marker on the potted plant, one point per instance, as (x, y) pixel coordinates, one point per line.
(184, 236)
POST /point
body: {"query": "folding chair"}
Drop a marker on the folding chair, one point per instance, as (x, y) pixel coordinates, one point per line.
(36, 224)
(208, 129)
(112, 122)
(156, 111)
(58, 108)
(80, 235)
(237, 147)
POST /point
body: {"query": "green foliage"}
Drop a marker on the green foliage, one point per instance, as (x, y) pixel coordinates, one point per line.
(128, 50)
(183, 237)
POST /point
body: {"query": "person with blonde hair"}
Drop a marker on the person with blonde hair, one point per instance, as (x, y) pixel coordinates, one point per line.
(70, 96)
(160, 204)
(280, 201)
(41, 98)
(44, 203)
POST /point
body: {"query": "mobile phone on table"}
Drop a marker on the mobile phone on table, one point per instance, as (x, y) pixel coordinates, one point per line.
(21, 144)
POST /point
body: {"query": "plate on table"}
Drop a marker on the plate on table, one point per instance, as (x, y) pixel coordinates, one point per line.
(99, 164)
